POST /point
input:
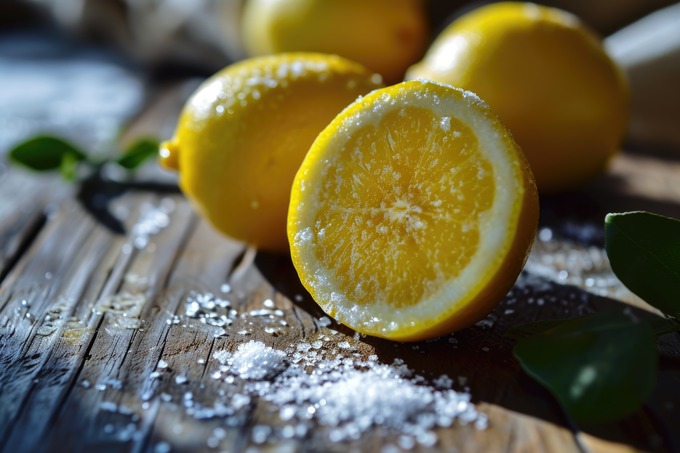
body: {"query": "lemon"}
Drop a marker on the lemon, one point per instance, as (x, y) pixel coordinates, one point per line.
(384, 35)
(548, 78)
(243, 134)
(413, 212)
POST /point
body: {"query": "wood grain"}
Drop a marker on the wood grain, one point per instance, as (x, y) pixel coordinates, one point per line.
(97, 351)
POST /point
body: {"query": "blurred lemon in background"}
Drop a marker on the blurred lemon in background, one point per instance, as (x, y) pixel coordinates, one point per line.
(384, 35)
(548, 78)
(243, 134)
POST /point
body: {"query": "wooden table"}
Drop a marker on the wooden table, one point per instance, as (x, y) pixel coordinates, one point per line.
(98, 352)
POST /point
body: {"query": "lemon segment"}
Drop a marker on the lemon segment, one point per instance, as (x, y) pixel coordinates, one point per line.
(413, 212)
(243, 134)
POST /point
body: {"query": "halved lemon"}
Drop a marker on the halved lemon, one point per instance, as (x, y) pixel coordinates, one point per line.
(412, 213)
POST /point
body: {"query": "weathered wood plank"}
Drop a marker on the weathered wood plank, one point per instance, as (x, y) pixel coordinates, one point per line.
(23, 198)
(121, 312)
(67, 321)
(32, 388)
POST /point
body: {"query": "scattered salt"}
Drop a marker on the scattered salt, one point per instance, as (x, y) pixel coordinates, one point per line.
(566, 262)
(348, 395)
(151, 221)
(254, 360)
(211, 310)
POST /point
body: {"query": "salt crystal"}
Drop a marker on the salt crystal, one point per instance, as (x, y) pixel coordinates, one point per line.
(482, 422)
(162, 447)
(260, 312)
(545, 234)
(288, 432)
(261, 433)
(222, 356)
(406, 442)
(445, 123)
(108, 406)
(181, 379)
(255, 360)
(443, 381)
(162, 364)
(325, 321)
(389, 448)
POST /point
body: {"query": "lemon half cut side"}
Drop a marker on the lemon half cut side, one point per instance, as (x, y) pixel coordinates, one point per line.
(412, 213)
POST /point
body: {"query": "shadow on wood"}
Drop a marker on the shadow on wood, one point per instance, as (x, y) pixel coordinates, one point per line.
(480, 358)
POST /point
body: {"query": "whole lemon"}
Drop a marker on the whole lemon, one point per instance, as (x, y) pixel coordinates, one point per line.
(243, 134)
(384, 35)
(548, 78)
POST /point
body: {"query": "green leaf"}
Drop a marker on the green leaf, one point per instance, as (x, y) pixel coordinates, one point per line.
(600, 367)
(138, 153)
(644, 252)
(44, 153)
(69, 167)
